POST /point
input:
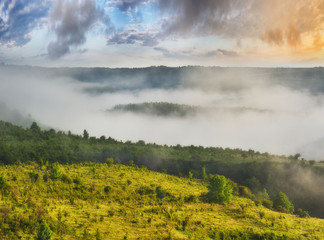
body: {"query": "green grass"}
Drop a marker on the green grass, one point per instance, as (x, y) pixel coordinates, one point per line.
(131, 209)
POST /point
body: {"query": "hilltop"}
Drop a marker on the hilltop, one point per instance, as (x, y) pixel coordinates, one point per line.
(109, 201)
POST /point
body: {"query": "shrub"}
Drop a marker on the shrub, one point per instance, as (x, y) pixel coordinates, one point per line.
(110, 161)
(246, 192)
(44, 232)
(303, 214)
(77, 181)
(34, 176)
(56, 171)
(3, 182)
(107, 189)
(145, 190)
(267, 203)
(282, 203)
(161, 193)
(67, 179)
(220, 190)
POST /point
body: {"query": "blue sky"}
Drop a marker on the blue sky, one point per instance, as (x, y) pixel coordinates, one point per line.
(139, 33)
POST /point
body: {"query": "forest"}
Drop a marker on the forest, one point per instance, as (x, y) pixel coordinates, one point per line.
(300, 179)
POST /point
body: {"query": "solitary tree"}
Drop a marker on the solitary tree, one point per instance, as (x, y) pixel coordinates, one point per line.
(282, 203)
(220, 190)
(85, 134)
(44, 232)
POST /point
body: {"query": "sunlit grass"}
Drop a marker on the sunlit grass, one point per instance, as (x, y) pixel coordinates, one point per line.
(76, 209)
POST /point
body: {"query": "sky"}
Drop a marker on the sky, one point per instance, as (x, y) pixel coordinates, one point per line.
(140, 33)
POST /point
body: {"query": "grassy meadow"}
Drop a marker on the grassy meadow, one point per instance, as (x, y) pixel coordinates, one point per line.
(112, 201)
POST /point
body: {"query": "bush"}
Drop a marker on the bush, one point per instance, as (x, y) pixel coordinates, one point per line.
(107, 189)
(220, 190)
(145, 190)
(77, 181)
(44, 232)
(303, 214)
(110, 161)
(282, 203)
(246, 192)
(67, 179)
(3, 182)
(56, 171)
(267, 203)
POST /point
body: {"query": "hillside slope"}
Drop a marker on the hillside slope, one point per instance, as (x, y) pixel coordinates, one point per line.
(102, 201)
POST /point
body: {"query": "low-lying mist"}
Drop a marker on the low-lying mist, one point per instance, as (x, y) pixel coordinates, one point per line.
(269, 110)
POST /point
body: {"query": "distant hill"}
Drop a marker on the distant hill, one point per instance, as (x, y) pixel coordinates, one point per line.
(163, 109)
(162, 77)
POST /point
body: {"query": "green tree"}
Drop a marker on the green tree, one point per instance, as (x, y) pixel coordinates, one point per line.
(203, 173)
(44, 232)
(35, 128)
(282, 203)
(85, 134)
(220, 190)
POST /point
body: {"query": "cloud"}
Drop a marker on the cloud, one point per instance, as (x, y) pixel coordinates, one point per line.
(272, 21)
(71, 20)
(134, 36)
(222, 52)
(126, 5)
(18, 18)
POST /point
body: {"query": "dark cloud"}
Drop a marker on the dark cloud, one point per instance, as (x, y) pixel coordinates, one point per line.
(133, 36)
(71, 20)
(19, 18)
(273, 21)
(191, 17)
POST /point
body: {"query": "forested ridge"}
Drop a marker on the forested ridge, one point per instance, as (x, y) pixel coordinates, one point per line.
(301, 180)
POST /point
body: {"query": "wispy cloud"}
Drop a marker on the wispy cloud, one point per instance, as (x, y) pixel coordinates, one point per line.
(134, 36)
(126, 5)
(18, 18)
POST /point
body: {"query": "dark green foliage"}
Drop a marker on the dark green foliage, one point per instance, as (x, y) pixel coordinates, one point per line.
(35, 128)
(145, 190)
(303, 214)
(85, 134)
(77, 181)
(163, 109)
(107, 189)
(220, 190)
(66, 179)
(34, 176)
(246, 192)
(98, 235)
(282, 203)
(3, 182)
(161, 193)
(267, 203)
(44, 232)
(253, 183)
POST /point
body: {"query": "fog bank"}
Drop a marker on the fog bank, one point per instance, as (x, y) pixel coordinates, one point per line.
(270, 110)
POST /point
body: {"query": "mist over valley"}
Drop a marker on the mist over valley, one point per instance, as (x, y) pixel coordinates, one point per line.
(274, 110)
